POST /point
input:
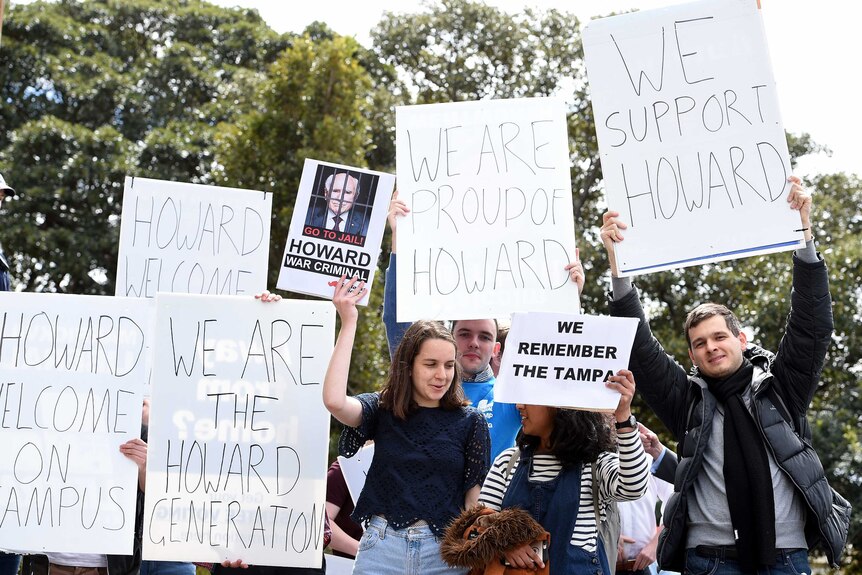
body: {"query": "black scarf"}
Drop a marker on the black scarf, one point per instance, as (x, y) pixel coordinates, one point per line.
(747, 478)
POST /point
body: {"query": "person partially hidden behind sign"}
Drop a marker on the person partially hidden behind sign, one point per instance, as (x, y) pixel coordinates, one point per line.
(339, 212)
(431, 449)
(477, 341)
(751, 494)
(56, 563)
(550, 474)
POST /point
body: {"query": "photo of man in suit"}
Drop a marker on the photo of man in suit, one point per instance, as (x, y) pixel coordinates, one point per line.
(338, 210)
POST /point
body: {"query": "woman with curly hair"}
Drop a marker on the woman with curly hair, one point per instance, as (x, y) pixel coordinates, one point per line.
(550, 474)
(431, 451)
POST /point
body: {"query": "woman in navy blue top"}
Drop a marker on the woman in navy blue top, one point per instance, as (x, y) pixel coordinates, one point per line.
(431, 451)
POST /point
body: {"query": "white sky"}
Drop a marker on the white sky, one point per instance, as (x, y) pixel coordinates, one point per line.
(815, 48)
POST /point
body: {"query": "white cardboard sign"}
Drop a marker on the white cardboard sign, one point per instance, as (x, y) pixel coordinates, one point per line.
(693, 149)
(355, 470)
(491, 226)
(318, 249)
(564, 360)
(190, 238)
(71, 375)
(239, 434)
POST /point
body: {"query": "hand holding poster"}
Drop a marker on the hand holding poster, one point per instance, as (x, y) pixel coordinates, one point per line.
(490, 228)
(564, 360)
(691, 140)
(71, 373)
(238, 431)
(336, 229)
(188, 238)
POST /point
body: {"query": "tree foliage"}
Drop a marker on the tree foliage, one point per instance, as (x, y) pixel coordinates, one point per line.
(93, 91)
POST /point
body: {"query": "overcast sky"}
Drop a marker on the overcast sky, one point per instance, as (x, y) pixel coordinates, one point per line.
(815, 48)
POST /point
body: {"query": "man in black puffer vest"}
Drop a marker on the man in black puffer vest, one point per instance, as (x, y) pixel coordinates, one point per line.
(750, 495)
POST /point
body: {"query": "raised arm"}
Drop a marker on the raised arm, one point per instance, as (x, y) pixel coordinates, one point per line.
(394, 329)
(808, 332)
(344, 408)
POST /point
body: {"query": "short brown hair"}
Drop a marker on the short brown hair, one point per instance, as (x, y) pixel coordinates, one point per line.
(397, 393)
(707, 310)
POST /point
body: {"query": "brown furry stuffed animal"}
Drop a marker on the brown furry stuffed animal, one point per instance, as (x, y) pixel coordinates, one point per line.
(479, 537)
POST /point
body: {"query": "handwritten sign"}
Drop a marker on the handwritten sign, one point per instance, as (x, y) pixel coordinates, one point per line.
(564, 360)
(355, 470)
(239, 435)
(337, 228)
(491, 227)
(692, 146)
(71, 376)
(188, 238)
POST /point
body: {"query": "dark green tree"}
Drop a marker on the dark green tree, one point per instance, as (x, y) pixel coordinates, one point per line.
(93, 91)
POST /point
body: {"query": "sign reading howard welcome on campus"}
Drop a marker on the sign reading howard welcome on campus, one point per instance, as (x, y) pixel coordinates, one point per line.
(693, 151)
(72, 371)
(239, 435)
(490, 229)
(189, 238)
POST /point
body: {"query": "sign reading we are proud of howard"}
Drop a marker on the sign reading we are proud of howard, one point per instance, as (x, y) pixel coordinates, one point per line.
(564, 360)
(490, 228)
(189, 238)
(693, 151)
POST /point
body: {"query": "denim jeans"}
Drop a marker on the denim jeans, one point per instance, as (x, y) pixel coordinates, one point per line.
(167, 568)
(409, 551)
(786, 563)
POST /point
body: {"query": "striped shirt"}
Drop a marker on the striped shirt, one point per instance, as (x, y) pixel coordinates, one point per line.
(622, 477)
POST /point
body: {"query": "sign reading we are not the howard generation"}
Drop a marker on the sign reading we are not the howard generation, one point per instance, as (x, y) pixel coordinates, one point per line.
(490, 228)
(693, 151)
(564, 360)
(72, 371)
(239, 435)
(189, 238)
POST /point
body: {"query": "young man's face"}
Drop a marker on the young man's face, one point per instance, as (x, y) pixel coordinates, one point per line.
(714, 349)
(342, 195)
(477, 342)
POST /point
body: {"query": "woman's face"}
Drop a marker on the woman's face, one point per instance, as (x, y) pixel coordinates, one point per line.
(537, 420)
(432, 372)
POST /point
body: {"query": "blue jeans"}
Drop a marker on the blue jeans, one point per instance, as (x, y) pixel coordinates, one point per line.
(9, 563)
(409, 551)
(786, 563)
(167, 568)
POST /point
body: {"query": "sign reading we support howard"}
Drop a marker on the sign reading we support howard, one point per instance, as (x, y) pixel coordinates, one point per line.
(189, 238)
(490, 229)
(239, 434)
(564, 360)
(693, 151)
(72, 371)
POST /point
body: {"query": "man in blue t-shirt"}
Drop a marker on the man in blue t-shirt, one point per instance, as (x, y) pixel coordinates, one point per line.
(476, 340)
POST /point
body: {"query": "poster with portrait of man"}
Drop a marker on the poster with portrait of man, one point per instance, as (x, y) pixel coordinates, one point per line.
(336, 229)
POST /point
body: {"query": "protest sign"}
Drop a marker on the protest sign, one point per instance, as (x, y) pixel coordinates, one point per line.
(336, 229)
(564, 360)
(491, 228)
(238, 434)
(355, 470)
(693, 150)
(189, 238)
(71, 373)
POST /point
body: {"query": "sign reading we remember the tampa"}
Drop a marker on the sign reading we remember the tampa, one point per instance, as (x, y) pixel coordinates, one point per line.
(189, 238)
(490, 229)
(693, 151)
(72, 371)
(239, 435)
(564, 360)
